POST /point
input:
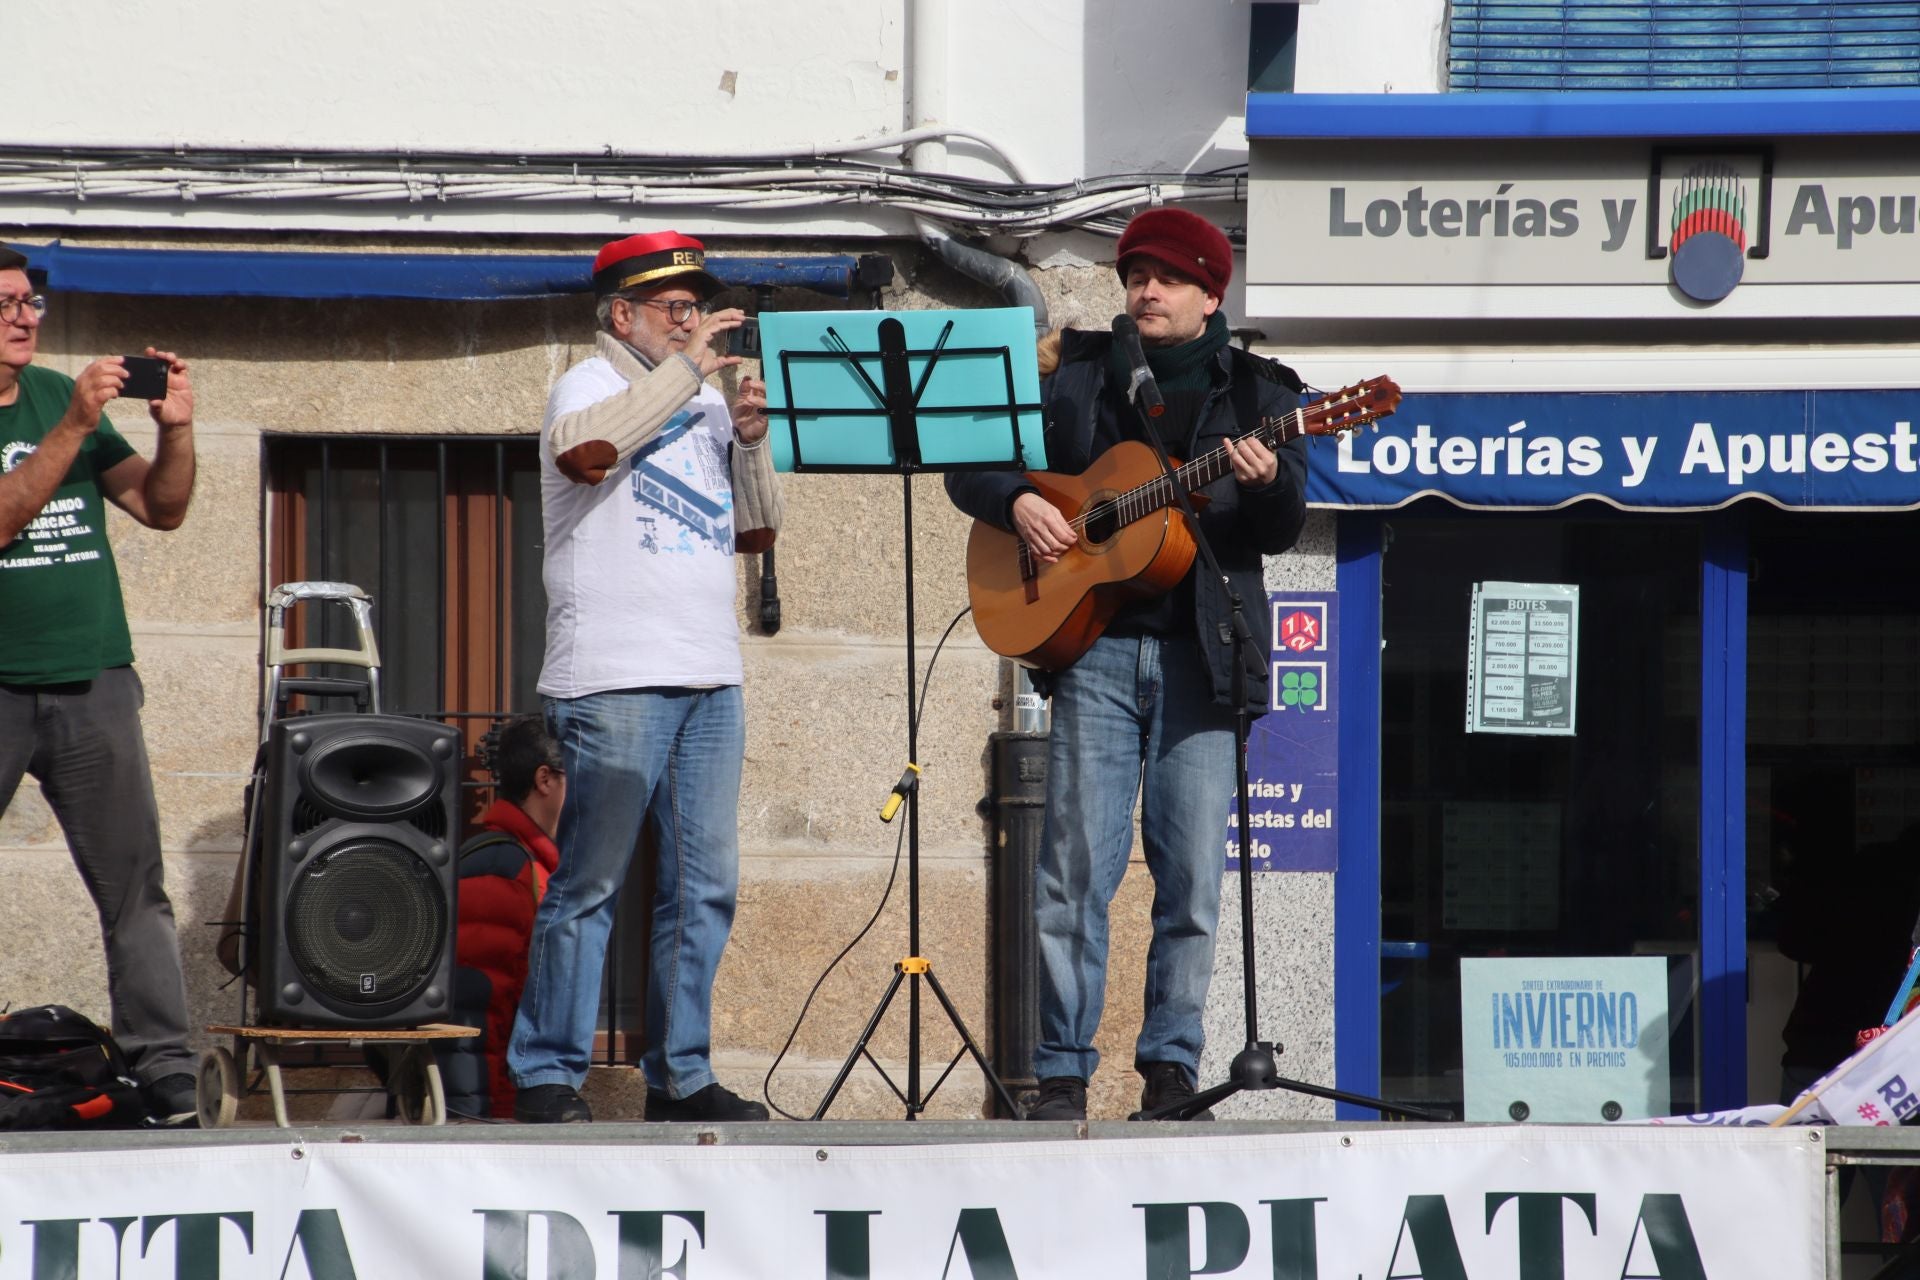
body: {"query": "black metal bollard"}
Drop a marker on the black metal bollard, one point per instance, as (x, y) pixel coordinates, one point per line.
(1018, 802)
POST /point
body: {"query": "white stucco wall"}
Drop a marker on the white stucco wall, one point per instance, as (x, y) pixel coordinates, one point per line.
(484, 75)
(1085, 88)
(1372, 46)
(1068, 88)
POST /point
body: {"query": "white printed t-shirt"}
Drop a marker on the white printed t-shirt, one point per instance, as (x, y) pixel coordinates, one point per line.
(639, 568)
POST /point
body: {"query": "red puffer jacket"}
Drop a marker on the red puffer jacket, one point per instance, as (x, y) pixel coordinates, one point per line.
(503, 874)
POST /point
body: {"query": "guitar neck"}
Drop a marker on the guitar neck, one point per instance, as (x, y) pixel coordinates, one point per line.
(1347, 409)
(1208, 467)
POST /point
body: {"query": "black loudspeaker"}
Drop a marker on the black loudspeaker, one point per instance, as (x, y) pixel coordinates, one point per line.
(354, 894)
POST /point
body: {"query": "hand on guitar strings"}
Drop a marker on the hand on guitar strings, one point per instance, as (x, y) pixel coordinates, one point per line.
(1254, 465)
(1041, 526)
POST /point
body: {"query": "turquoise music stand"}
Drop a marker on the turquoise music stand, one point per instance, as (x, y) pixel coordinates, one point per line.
(901, 392)
(885, 391)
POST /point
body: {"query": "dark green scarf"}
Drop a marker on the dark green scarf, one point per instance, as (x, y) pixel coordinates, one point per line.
(1186, 367)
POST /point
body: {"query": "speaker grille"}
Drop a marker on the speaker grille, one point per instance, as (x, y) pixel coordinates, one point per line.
(430, 821)
(366, 923)
(305, 817)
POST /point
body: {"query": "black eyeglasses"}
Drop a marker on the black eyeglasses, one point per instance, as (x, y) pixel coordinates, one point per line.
(11, 307)
(677, 309)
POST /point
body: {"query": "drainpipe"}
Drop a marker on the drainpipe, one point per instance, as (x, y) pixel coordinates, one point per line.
(927, 48)
(927, 29)
(1030, 714)
(1017, 776)
(927, 63)
(1009, 277)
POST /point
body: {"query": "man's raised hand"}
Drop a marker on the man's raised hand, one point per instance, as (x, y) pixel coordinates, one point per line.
(98, 383)
(699, 348)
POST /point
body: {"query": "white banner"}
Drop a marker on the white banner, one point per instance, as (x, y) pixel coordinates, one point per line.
(1441, 1204)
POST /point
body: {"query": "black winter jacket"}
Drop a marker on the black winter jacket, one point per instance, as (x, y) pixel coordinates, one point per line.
(1242, 525)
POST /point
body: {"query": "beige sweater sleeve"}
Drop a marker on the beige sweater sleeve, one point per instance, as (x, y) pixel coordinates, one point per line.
(590, 442)
(758, 503)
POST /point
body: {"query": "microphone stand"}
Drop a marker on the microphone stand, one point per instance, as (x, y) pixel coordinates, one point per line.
(1254, 1068)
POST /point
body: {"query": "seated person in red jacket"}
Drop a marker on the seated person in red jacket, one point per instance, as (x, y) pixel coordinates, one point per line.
(503, 873)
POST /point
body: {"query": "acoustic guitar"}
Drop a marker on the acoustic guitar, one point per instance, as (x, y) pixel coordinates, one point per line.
(1133, 541)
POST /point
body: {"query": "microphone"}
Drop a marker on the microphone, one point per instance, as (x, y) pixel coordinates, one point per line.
(1142, 390)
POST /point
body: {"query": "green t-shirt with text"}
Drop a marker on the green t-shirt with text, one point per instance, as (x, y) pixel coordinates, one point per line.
(61, 616)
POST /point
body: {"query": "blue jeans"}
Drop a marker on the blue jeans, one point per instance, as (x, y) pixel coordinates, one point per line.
(673, 754)
(1133, 718)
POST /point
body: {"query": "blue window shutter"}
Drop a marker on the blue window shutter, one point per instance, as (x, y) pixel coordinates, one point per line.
(1682, 44)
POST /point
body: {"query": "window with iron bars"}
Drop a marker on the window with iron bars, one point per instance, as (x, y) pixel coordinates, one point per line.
(444, 533)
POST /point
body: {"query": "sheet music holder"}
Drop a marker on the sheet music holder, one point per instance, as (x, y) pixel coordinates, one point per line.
(903, 392)
(886, 391)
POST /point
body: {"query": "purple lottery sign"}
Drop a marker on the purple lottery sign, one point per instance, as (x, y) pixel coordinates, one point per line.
(1293, 754)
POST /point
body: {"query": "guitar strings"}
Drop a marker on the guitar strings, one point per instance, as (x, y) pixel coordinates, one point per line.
(1156, 489)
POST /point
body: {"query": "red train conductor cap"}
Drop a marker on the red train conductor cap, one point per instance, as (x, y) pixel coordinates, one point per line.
(644, 261)
(1184, 241)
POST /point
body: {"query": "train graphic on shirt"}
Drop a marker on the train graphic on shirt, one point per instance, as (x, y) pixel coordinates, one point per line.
(674, 499)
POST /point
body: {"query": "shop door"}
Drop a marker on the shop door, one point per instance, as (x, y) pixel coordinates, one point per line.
(1832, 784)
(1494, 844)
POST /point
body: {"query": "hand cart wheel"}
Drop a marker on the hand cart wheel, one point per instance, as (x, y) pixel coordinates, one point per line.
(413, 1081)
(217, 1089)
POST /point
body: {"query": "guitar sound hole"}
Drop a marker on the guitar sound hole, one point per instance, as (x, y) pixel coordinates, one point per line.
(1102, 520)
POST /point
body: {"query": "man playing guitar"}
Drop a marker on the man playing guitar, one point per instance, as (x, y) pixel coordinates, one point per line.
(1144, 713)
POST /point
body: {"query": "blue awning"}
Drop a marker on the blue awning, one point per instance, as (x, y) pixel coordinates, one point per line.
(241, 273)
(1679, 113)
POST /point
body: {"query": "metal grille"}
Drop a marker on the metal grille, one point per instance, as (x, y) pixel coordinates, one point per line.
(444, 533)
(1682, 44)
(365, 923)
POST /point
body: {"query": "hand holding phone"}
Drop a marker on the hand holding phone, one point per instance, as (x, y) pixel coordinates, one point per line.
(746, 339)
(146, 378)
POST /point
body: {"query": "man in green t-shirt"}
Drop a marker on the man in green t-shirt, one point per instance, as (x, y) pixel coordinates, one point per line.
(69, 698)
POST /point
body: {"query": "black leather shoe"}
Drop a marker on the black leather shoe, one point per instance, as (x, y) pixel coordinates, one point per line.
(1060, 1098)
(713, 1104)
(551, 1104)
(1167, 1084)
(173, 1101)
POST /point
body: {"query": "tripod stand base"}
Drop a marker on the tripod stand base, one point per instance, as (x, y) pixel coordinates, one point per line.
(1255, 1070)
(915, 970)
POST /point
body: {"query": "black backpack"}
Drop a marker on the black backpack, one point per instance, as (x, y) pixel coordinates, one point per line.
(58, 1070)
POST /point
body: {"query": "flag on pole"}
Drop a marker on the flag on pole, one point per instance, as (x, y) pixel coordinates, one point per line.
(1878, 1085)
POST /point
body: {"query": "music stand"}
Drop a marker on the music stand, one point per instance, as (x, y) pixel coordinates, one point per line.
(829, 413)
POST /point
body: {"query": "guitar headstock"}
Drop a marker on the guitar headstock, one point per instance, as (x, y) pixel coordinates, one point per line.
(1351, 408)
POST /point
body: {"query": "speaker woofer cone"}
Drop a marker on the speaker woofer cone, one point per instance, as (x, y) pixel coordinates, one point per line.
(366, 923)
(369, 776)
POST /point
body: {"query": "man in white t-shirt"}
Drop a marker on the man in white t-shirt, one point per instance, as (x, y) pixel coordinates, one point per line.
(650, 482)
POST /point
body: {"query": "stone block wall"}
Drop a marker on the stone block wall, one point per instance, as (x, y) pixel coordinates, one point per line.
(826, 695)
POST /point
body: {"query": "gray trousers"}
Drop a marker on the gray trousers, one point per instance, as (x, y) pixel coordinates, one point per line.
(83, 742)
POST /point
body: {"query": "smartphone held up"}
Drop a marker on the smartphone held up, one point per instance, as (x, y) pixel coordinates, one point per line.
(146, 378)
(745, 340)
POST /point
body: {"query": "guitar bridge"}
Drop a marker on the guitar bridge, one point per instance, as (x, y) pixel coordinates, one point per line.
(1029, 573)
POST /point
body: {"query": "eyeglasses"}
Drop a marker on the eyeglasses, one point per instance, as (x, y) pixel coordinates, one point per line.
(677, 309)
(12, 307)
